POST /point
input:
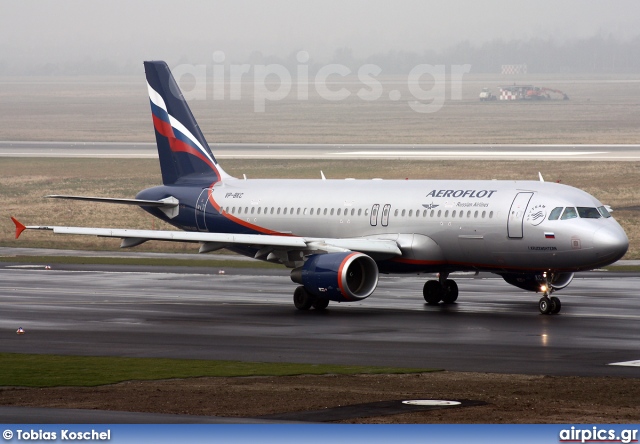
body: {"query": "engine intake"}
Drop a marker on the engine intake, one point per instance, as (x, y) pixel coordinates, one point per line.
(342, 277)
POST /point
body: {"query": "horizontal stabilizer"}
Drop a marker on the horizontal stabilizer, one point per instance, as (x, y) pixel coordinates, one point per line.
(139, 202)
(169, 205)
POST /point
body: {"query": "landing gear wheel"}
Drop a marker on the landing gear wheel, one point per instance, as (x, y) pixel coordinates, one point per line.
(432, 292)
(555, 305)
(320, 304)
(450, 294)
(302, 299)
(544, 305)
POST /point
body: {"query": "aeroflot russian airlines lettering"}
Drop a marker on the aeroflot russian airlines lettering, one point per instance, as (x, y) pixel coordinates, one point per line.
(462, 193)
(334, 237)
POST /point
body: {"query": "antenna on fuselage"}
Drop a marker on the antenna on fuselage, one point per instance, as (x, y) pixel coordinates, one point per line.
(322, 175)
(540, 176)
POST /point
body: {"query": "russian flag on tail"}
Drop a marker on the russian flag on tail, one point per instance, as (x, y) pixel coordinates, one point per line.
(549, 235)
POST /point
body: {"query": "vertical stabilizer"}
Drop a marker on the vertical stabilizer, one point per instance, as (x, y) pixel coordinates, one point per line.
(183, 151)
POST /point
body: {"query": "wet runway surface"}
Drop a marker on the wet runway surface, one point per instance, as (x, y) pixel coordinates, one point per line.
(248, 314)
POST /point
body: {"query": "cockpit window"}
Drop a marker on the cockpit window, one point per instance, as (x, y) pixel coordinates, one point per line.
(604, 212)
(589, 213)
(555, 213)
(569, 213)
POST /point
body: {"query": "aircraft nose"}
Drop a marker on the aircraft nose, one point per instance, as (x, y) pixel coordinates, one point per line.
(610, 243)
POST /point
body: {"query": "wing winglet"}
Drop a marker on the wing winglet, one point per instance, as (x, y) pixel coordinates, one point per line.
(19, 227)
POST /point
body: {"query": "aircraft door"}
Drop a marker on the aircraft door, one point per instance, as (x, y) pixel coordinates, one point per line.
(201, 209)
(516, 215)
(374, 215)
(385, 215)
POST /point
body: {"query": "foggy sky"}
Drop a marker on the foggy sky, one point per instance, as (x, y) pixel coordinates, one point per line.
(159, 29)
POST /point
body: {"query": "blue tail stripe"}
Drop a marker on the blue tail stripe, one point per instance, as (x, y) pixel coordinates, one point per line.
(159, 112)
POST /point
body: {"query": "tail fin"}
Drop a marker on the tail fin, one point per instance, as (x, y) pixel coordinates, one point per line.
(183, 151)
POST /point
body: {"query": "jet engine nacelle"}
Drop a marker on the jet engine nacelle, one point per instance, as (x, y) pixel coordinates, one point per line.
(534, 281)
(342, 277)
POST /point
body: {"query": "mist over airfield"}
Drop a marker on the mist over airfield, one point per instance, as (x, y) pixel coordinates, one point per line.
(74, 36)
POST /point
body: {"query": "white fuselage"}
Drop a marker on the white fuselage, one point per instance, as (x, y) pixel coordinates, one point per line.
(496, 225)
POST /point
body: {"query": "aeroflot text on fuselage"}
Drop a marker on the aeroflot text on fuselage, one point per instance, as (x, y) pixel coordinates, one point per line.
(461, 193)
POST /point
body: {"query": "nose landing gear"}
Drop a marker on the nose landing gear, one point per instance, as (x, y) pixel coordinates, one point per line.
(546, 304)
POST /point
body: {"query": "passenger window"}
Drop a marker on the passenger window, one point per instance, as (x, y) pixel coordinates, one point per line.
(285, 211)
(469, 214)
(424, 213)
(555, 213)
(331, 211)
(446, 213)
(278, 210)
(453, 214)
(569, 213)
(252, 209)
(589, 213)
(396, 212)
(410, 213)
(475, 215)
(603, 210)
(271, 210)
(439, 213)
(233, 209)
(360, 211)
(484, 213)
(339, 211)
(491, 215)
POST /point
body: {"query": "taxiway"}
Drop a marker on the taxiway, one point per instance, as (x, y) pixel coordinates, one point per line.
(248, 314)
(333, 151)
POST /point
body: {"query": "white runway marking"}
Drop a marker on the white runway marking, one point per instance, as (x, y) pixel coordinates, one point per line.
(471, 153)
(627, 363)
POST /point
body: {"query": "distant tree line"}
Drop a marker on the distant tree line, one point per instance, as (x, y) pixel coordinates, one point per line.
(595, 55)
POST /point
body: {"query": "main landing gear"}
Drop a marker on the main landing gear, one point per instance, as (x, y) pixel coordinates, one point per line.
(445, 290)
(303, 300)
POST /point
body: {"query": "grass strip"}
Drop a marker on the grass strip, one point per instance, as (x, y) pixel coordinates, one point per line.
(32, 370)
(160, 262)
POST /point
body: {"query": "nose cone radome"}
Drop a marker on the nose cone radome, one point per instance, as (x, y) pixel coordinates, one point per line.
(610, 243)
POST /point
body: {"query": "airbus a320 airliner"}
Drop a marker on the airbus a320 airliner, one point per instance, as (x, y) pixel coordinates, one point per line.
(338, 235)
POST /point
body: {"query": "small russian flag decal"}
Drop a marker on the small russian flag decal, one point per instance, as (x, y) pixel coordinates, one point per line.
(549, 236)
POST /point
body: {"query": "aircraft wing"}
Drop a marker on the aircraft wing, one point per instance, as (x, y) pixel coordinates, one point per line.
(214, 241)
